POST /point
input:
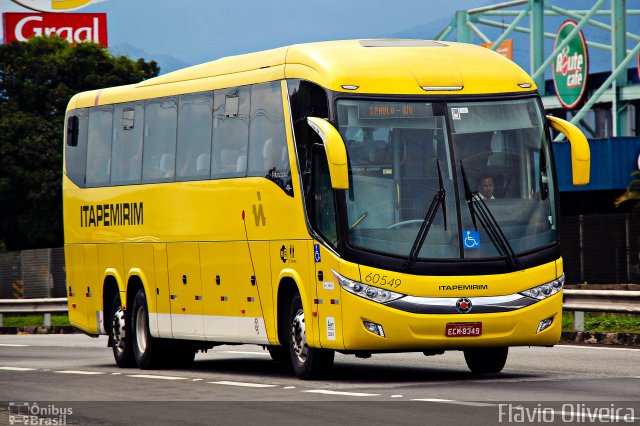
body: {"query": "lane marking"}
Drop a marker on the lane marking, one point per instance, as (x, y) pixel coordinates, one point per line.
(151, 376)
(397, 396)
(289, 387)
(243, 384)
(12, 345)
(595, 347)
(330, 392)
(246, 353)
(17, 368)
(452, 401)
(88, 373)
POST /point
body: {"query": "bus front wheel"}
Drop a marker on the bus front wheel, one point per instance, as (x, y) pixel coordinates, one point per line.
(308, 363)
(486, 360)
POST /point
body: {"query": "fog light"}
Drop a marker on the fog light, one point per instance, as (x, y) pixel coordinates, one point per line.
(544, 324)
(374, 328)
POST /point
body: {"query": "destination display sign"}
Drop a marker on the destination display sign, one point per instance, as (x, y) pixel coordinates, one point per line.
(394, 110)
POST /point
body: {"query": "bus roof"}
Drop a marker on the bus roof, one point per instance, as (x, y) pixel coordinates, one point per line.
(384, 66)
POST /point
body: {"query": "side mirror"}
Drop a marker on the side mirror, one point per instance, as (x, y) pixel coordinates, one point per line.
(580, 153)
(335, 149)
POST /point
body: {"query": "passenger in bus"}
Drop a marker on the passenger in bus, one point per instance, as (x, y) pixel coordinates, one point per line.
(486, 187)
(167, 165)
(274, 155)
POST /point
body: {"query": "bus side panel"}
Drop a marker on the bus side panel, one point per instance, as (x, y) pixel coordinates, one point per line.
(246, 299)
(217, 270)
(262, 268)
(185, 291)
(110, 263)
(163, 307)
(138, 261)
(92, 288)
(74, 261)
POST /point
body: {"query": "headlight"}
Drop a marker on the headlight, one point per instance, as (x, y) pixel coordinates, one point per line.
(545, 290)
(376, 294)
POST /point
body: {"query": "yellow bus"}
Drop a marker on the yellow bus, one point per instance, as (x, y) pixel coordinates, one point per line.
(362, 196)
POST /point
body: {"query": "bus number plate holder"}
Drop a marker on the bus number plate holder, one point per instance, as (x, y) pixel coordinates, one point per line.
(464, 329)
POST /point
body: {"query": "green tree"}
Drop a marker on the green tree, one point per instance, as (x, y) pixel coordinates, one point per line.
(631, 194)
(37, 79)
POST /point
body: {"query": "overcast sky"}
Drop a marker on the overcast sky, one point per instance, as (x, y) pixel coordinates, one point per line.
(196, 31)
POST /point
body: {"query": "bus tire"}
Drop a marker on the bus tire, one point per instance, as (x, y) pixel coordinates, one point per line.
(486, 360)
(308, 363)
(120, 335)
(146, 349)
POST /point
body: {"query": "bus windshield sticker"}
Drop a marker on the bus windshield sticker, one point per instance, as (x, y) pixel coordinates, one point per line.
(471, 239)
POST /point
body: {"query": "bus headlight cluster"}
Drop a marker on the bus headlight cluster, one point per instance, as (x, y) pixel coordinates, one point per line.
(376, 294)
(545, 290)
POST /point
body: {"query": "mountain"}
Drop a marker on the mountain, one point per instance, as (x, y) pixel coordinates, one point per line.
(166, 62)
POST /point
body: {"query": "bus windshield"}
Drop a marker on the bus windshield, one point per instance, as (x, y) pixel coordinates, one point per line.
(487, 160)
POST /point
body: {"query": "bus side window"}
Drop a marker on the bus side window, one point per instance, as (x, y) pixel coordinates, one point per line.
(231, 109)
(268, 153)
(160, 124)
(76, 155)
(126, 155)
(194, 136)
(99, 146)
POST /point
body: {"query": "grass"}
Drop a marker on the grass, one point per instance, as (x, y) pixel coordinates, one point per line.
(20, 320)
(604, 323)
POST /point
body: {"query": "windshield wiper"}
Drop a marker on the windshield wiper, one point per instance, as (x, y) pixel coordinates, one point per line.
(438, 200)
(488, 221)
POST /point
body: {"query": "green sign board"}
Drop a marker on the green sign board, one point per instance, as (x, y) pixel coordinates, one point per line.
(570, 66)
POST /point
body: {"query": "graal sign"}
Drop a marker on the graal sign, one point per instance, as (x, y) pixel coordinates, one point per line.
(74, 27)
(53, 5)
(570, 66)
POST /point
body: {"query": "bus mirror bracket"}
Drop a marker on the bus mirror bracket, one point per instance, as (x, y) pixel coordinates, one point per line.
(580, 153)
(335, 149)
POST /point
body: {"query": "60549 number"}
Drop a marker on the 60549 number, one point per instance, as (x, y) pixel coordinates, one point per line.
(384, 280)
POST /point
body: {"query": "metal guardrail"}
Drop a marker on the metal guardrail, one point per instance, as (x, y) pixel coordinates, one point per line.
(614, 301)
(576, 301)
(33, 306)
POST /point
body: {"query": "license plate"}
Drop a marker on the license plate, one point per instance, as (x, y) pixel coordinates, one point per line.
(464, 329)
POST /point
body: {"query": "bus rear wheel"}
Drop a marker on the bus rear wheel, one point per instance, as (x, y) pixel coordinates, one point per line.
(146, 349)
(120, 334)
(486, 360)
(308, 363)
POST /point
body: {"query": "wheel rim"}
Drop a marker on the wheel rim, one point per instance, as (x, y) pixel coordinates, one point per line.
(119, 330)
(141, 330)
(299, 337)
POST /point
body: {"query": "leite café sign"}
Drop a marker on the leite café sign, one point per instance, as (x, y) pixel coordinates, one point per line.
(74, 27)
(570, 66)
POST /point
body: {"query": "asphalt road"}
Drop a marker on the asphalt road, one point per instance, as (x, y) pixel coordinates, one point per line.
(73, 379)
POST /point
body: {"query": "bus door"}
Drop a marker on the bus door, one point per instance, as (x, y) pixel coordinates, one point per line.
(323, 216)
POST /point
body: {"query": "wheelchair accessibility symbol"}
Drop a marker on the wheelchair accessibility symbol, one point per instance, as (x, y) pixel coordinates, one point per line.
(471, 239)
